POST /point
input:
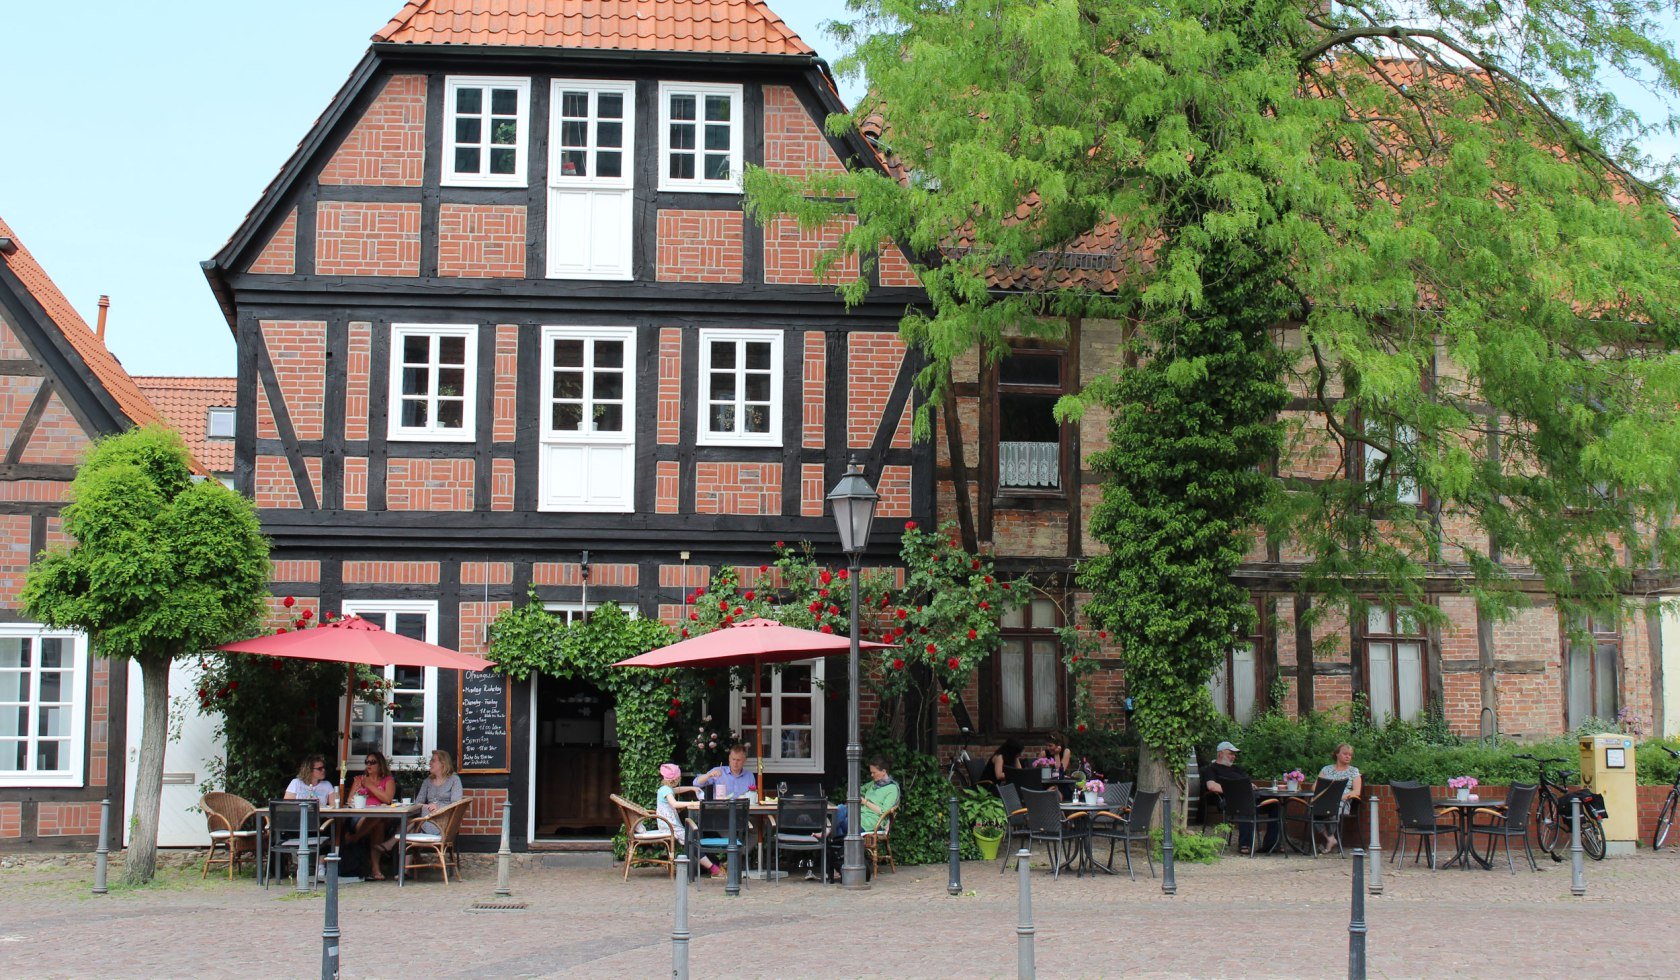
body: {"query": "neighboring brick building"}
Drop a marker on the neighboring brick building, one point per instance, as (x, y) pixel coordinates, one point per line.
(203, 411)
(62, 749)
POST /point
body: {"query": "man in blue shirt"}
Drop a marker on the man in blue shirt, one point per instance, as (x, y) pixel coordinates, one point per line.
(735, 780)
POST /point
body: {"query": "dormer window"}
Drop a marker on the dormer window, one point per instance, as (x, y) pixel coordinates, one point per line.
(485, 131)
(700, 137)
(219, 423)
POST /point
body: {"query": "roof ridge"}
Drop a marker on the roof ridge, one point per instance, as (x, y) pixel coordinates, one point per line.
(748, 27)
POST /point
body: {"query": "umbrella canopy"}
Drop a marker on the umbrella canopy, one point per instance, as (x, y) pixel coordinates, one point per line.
(746, 644)
(354, 640)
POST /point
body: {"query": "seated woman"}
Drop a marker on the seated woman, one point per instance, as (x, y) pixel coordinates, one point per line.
(1344, 770)
(665, 804)
(379, 787)
(1008, 756)
(439, 789)
(1056, 749)
(311, 781)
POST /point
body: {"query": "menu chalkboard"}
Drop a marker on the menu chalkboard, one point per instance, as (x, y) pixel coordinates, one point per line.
(485, 744)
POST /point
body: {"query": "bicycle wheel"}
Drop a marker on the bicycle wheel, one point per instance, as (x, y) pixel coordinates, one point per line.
(1592, 837)
(1548, 830)
(1665, 820)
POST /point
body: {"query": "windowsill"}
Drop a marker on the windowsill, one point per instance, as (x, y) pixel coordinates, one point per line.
(404, 436)
(601, 276)
(35, 780)
(709, 188)
(499, 183)
(725, 441)
(1027, 498)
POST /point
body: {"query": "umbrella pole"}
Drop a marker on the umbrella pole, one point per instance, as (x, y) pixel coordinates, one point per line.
(344, 735)
(758, 721)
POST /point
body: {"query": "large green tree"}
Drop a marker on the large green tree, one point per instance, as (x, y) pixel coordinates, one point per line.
(1431, 220)
(160, 565)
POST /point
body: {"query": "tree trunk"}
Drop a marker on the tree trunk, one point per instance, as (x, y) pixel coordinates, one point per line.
(140, 863)
(1154, 775)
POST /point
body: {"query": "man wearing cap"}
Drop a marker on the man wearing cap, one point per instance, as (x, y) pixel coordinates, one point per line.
(1215, 775)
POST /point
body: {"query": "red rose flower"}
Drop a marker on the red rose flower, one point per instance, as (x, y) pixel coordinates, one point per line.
(1075, 658)
(233, 685)
(308, 614)
(815, 606)
(737, 611)
(984, 604)
(834, 610)
(1080, 728)
(764, 568)
(951, 663)
(973, 635)
(671, 713)
(694, 617)
(845, 574)
(288, 602)
(909, 525)
(778, 544)
(1005, 586)
(729, 620)
(922, 630)
(988, 580)
(280, 630)
(898, 663)
(685, 632)
(1102, 634)
(675, 703)
(723, 607)
(932, 648)
(944, 698)
(364, 685)
(749, 595)
(826, 628)
(823, 593)
(975, 564)
(203, 693)
(902, 614)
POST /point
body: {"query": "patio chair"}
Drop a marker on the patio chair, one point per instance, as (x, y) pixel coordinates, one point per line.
(1242, 810)
(643, 829)
(1124, 830)
(1017, 828)
(801, 825)
(1419, 818)
(807, 789)
(1024, 778)
(978, 775)
(437, 850)
(1324, 812)
(227, 814)
(711, 832)
(1508, 826)
(1056, 830)
(879, 841)
(285, 817)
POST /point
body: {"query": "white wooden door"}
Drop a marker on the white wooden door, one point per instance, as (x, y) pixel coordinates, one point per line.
(186, 759)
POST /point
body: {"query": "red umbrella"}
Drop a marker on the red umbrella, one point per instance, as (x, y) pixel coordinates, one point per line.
(755, 642)
(353, 640)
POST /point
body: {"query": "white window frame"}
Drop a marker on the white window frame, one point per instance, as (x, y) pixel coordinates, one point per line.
(598, 190)
(700, 90)
(1406, 489)
(771, 734)
(704, 434)
(428, 737)
(553, 437)
(454, 178)
(76, 688)
(431, 431)
(220, 412)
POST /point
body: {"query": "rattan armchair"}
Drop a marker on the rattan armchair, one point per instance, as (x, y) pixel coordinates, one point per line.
(645, 829)
(227, 814)
(437, 850)
(879, 841)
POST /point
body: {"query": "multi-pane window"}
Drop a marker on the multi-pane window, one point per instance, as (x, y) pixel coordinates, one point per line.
(42, 676)
(404, 727)
(484, 135)
(591, 179)
(592, 131)
(1395, 647)
(741, 387)
(1029, 669)
(700, 144)
(1404, 484)
(432, 374)
(1030, 442)
(789, 719)
(218, 424)
(1592, 665)
(1236, 684)
(588, 420)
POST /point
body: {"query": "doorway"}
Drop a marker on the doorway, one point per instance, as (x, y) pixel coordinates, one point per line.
(577, 759)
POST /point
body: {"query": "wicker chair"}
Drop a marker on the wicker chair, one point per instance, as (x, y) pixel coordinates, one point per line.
(879, 841)
(227, 816)
(638, 834)
(437, 850)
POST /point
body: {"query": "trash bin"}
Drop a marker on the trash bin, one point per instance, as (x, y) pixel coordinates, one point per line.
(1608, 768)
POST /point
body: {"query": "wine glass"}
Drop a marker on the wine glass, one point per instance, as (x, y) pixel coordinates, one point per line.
(781, 789)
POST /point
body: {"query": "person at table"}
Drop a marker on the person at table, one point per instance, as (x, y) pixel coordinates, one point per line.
(378, 787)
(440, 788)
(1344, 771)
(734, 779)
(1057, 751)
(311, 782)
(1008, 756)
(1215, 775)
(665, 804)
(877, 798)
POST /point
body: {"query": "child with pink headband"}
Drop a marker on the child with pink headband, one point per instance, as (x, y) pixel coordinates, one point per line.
(669, 776)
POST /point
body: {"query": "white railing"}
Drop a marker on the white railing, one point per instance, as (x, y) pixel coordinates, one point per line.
(1029, 464)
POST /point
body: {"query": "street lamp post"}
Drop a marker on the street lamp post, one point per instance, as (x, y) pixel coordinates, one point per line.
(854, 502)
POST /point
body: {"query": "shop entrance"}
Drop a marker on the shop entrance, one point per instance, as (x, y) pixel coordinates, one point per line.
(577, 759)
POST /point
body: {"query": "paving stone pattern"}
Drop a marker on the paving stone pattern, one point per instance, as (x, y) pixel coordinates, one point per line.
(1240, 917)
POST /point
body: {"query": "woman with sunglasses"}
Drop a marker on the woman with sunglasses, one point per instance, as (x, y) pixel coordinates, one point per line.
(312, 781)
(379, 787)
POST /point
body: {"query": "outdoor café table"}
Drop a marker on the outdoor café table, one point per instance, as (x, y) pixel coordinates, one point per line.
(1087, 861)
(400, 812)
(1463, 811)
(763, 811)
(1284, 796)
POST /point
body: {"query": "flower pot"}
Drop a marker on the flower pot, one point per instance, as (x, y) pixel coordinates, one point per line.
(988, 845)
(1294, 785)
(1464, 793)
(1047, 772)
(1090, 797)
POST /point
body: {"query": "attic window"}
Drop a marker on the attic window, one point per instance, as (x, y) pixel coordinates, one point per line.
(219, 424)
(485, 132)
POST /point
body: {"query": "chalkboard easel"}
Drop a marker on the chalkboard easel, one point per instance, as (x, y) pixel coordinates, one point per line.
(484, 743)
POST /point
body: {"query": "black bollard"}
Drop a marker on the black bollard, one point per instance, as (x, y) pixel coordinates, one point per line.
(732, 883)
(955, 885)
(1356, 924)
(329, 931)
(1169, 883)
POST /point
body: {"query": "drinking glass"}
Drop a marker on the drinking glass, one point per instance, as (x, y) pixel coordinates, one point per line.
(781, 789)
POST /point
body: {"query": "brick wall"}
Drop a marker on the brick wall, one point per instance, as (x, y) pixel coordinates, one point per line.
(484, 811)
(506, 402)
(893, 268)
(475, 620)
(872, 365)
(355, 482)
(812, 494)
(67, 819)
(17, 393)
(793, 143)
(58, 437)
(486, 573)
(391, 573)
(699, 246)
(273, 484)
(738, 488)
(814, 411)
(279, 256)
(293, 570)
(367, 238)
(298, 350)
(14, 556)
(11, 348)
(501, 484)
(894, 488)
(429, 484)
(667, 480)
(790, 252)
(684, 577)
(357, 364)
(387, 146)
(11, 820)
(669, 423)
(481, 241)
(571, 574)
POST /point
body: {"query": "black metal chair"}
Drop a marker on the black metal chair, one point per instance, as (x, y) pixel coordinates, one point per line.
(806, 790)
(1134, 826)
(801, 825)
(1324, 812)
(294, 827)
(1017, 829)
(1243, 810)
(1057, 831)
(978, 775)
(711, 831)
(1117, 799)
(1509, 826)
(1419, 818)
(1024, 778)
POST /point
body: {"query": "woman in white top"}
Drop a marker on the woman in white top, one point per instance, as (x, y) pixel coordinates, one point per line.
(1344, 771)
(311, 781)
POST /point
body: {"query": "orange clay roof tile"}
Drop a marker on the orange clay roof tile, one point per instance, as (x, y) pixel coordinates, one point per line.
(700, 26)
(186, 404)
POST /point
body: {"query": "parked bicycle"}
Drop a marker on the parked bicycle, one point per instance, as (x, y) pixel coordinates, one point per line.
(1553, 809)
(1665, 816)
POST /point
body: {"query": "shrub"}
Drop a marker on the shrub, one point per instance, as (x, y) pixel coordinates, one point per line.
(1202, 848)
(921, 831)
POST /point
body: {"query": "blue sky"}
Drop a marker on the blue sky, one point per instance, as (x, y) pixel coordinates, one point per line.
(137, 135)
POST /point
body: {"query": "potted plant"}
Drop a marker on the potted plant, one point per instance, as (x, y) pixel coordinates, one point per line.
(1464, 784)
(1292, 779)
(1093, 789)
(984, 814)
(1046, 766)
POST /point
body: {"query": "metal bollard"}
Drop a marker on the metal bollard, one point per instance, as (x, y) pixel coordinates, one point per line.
(1356, 924)
(679, 930)
(1577, 864)
(329, 930)
(102, 855)
(1375, 848)
(732, 884)
(304, 871)
(1024, 929)
(503, 856)
(954, 886)
(1169, 883)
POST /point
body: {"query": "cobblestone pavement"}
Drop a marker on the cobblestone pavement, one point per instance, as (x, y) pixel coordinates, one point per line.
(1240, 917)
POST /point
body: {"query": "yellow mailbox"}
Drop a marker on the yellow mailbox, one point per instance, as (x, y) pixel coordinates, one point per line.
(1608, 768)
